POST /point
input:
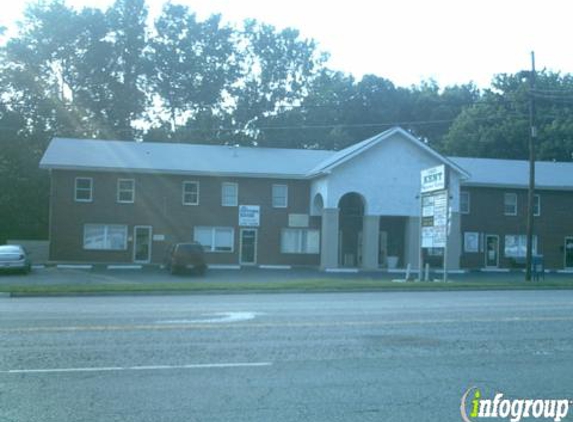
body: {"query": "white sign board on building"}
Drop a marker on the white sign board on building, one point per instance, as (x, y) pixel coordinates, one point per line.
(433, 179)
(249, 215)
(434, 219)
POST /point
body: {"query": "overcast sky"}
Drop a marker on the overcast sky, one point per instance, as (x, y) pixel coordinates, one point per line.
(451, 41)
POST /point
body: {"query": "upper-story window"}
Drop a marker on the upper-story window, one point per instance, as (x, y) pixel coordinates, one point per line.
(190, 193)
(230, 194)
(464, 202)
(510, 204)
(125, 191)
(280, 196)
(536, 205)
(83, 189)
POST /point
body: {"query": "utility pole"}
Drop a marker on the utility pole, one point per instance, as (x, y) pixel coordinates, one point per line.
(531, 190)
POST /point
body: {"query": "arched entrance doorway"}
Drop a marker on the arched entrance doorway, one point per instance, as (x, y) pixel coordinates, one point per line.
(351, 218)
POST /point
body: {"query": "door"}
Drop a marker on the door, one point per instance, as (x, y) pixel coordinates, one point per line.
(142, 244)
(491, 250)
(568, 252)
(248, 247)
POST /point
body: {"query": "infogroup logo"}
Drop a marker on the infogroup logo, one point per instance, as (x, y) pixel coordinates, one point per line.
(475, 407)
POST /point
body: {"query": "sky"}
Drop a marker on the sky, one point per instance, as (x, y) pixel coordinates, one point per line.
(405, 41)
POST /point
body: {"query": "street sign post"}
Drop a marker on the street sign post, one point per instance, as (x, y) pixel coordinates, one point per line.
(434, 213)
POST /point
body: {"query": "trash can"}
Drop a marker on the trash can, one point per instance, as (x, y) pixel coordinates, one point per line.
(537, 267)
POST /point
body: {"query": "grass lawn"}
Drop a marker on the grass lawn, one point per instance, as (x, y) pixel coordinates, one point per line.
(204, 285)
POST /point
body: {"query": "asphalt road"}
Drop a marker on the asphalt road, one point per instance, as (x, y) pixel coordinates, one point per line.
(286, 357)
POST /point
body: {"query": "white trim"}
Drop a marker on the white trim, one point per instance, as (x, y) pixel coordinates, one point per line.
(213, 229)
(224, 267)
(506, 195)
(494, 270)
(241, 231)
(74, 267)
(38, 267)
(275, 267)
(91, 179)
(150, 243)
(465, 192)
(236, 198)
(106, 226)
(119, 190)
(189, 182)
(124, 267)
(342, 270)
(277, 185)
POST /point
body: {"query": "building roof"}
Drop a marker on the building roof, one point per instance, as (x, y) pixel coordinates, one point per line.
(515, 173)
(197, 159)
(63, 153)
(352, 151)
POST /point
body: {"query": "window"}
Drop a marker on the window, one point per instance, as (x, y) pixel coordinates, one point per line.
(111, 237)
(125, 191)
(300, 241)
(464, 202)
(510, 204)
(516, 246)
(471, 242)
(84, 189)
(215, 239)
(229, 194)
(536, 205)
(190, 193)
(280, 196)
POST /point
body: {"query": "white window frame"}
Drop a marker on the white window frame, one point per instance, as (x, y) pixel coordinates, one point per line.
(471, 242)
(184, 192)
(465, 194)
(120, 191)
(302, 241)
(235, 201)
(521, 245)
(106, 237)
(91, 189)
(212, 248)
(506, 196)
(273, 196)
(536, 205)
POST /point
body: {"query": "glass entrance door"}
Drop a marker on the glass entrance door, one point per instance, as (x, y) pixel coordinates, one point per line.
(569, 252)
(248, 246)
(491, 250)
(142, 244)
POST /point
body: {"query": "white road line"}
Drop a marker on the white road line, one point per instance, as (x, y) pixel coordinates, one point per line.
(219, 317)
(137, 368)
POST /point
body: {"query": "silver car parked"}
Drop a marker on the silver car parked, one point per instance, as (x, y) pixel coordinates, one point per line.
(14, 257)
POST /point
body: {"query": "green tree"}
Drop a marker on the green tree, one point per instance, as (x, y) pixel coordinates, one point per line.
(497, 125)
(277, 68)
(195, 63)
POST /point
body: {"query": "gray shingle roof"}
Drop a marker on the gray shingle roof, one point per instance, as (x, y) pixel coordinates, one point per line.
(63, 153)
(173, 158)
(515, 173)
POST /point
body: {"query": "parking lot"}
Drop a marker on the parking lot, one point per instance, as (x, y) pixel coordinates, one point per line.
(101, 275)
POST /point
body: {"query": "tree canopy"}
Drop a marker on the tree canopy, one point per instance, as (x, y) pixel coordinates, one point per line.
(117, 74)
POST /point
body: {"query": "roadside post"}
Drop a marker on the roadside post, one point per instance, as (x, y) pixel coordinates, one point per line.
(434, 213)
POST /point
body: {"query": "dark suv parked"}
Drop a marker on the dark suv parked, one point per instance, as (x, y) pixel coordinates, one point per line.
(185, 256)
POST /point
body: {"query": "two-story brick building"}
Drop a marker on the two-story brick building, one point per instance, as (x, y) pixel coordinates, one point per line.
(123, 202)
